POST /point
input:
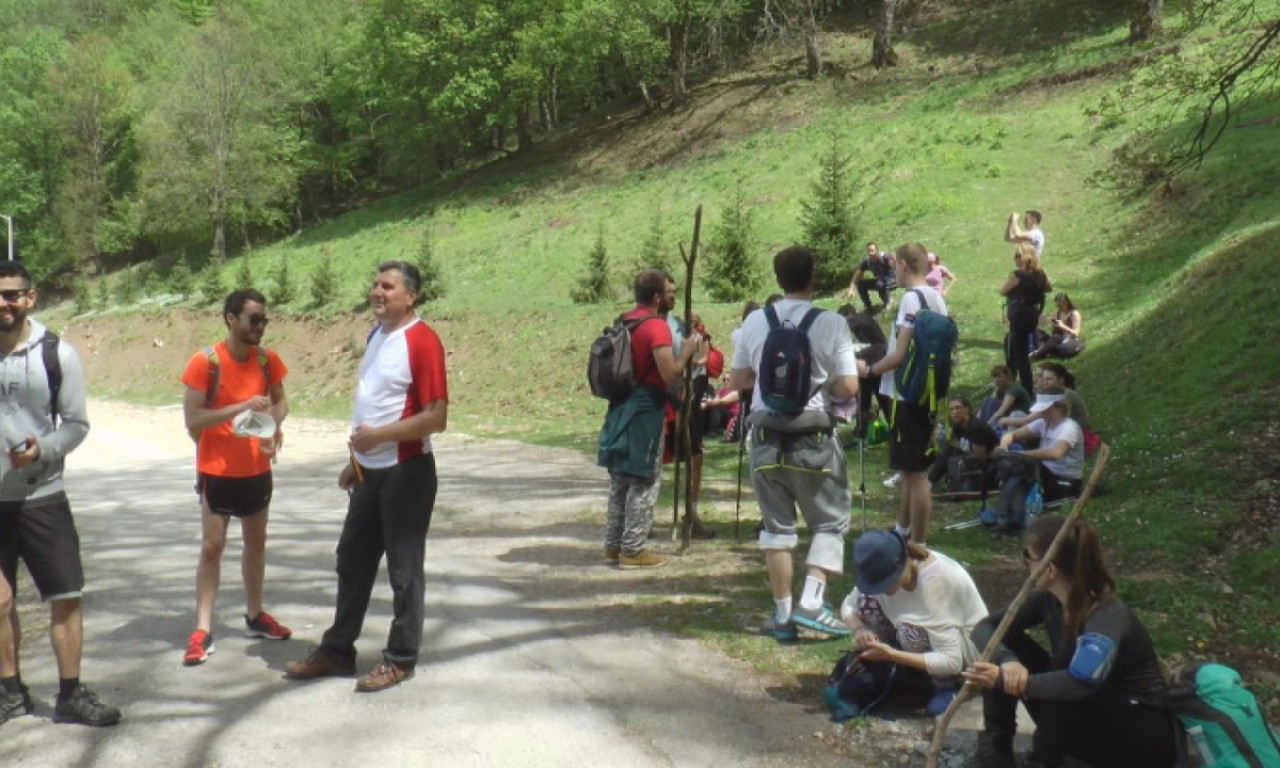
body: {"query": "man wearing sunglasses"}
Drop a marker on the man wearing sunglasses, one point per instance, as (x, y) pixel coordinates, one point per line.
(234, 404)
(42, 420)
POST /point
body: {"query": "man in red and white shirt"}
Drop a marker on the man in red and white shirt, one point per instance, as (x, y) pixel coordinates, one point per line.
(401, 400)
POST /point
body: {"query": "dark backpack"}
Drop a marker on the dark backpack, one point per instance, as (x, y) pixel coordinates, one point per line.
(610, 370)
(1021, 499)
(924, 376)
(52, 371)
(786, 365)
(1221, 718)
(855, 687)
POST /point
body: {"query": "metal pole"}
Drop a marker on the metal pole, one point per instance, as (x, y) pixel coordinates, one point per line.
(9, 222)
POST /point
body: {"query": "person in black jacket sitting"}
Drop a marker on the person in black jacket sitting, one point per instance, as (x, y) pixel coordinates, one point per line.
(1097, 693)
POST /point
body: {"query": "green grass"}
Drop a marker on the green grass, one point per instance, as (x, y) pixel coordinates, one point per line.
(1177, 290)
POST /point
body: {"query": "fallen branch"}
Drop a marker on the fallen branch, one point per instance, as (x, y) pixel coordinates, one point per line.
(939, 734)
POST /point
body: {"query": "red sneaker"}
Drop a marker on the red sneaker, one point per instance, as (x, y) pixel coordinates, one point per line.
(266, 627)
(199, 646)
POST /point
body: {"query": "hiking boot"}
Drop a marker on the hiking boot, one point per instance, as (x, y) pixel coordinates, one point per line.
(83, 707)
(15, 704)
(320, 663)
(385, 675)
(782, 631)
(265, 626)
(821, 620)
(642, 559)
(611, 555)
(991, 753)
(199, 646)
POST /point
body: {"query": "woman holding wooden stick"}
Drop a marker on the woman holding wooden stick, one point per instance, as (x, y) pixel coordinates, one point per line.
(1097, 693)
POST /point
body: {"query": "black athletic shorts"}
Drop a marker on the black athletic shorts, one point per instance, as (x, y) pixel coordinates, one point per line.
(43, 534)
(910, 435)
(235, 496)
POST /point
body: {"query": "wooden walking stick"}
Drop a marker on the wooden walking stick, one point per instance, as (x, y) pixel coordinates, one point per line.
(683, 435)
(939, 734)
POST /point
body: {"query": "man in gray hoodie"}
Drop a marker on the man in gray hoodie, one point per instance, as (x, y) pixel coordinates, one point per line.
(42, 418)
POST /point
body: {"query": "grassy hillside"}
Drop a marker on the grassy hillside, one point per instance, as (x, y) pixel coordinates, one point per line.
(1181, 372)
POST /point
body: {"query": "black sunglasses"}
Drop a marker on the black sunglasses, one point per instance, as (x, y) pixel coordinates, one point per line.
(257, 320)
(13, 297)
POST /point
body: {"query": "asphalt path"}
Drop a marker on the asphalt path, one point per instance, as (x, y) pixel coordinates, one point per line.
(527, 658)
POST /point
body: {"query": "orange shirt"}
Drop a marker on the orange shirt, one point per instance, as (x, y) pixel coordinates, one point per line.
(220, 452)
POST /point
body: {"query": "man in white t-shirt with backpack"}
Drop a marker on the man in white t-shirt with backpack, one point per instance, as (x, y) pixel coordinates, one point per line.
(911, 424)
(796, 460)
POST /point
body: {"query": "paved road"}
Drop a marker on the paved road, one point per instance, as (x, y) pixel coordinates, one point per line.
(523, 664)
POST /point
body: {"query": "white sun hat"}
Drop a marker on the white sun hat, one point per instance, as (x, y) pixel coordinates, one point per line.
(253, 424)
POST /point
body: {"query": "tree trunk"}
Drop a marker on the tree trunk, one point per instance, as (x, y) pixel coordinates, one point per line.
(813, 54)
(524, 128)
(1146, 24)
(679, 39)
(882, 53)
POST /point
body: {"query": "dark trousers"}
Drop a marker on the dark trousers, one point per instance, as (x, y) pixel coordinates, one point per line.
(868, 388)
(389, 512)
(968, 467)
(1106, 730)
(1055, 487)
(1058, 345)
(865, 286)
(1023, 320)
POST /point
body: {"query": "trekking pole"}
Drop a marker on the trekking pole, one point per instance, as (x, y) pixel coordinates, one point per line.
(935, 747)
(684, 437)
(741, 425)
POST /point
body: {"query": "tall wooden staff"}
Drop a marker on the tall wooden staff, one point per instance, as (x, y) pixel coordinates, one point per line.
(684, 439)
(939, 734)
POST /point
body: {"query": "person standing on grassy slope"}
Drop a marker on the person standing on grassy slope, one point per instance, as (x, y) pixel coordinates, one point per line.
(236, 376)
(674, 448)
(401, 399)
(631, 438)
(38, 428)
(796, 460)
(911, 430)
(1024, 291)
(1028, 233)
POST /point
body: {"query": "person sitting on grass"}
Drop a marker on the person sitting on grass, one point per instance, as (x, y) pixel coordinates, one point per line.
(1097, 692)
(1009, 399)
(914, 607)
(970, 446)
(1051, 375)
(1064, 342)
(1061, 451)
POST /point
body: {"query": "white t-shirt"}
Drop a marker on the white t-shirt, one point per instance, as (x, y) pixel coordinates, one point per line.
(1071, 465)
(907, 310)
(1037, 240)
(945, 603)
(401, 373)
(829, 341)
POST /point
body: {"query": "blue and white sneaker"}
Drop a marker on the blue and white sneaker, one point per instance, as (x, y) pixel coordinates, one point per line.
(782, 631)
(821, 620)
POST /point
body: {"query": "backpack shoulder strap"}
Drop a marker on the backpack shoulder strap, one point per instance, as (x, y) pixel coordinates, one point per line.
(771, 315)
(809, 319)
(924, 302)
(53, 370)
(264, 363)
(373, 332)
(215, 376)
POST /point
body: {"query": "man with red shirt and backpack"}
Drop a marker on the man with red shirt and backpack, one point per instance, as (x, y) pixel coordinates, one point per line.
(631, 440)
(234, 382)
(401, 400)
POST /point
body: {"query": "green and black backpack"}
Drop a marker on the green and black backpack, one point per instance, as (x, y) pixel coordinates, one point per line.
(1222, 719)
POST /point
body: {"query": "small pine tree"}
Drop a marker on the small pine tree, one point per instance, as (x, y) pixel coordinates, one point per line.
(244, 274)
(324, 282)
(284, 287)
(593, 286)
(102, 294)
(732, 273)
(432, 282)
(148, 279)
(827, 218)
(655, 252)
(126, 287)
(211, 287)
(181, 281)
(82, 295)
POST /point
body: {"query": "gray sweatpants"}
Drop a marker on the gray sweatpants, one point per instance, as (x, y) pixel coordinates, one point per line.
(631, 501)
(808, 472)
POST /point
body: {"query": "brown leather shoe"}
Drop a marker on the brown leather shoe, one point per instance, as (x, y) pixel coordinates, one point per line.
(383, 676)
(642, 559)
(320, 663)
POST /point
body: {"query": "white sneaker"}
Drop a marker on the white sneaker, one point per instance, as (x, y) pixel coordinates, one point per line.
(894, 481)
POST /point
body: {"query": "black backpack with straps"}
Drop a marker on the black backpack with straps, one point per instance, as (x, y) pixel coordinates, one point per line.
(785, 379)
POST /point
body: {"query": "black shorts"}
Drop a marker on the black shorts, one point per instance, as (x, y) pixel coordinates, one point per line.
(235, 496)
(910, 438)
(43, 534)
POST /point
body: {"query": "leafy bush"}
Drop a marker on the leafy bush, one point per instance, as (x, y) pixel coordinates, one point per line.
(593, 285)
(828, 219)
(324, 282)
(732, 271)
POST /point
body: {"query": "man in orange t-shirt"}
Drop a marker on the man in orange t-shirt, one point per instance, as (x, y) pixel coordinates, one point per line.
(234, 467)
